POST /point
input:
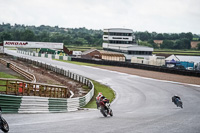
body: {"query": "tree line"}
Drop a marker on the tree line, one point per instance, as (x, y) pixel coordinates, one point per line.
(89, 37)
(68, 36)
(170, 40)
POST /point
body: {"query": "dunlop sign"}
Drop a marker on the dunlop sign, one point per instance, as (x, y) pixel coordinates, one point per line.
(26, 44)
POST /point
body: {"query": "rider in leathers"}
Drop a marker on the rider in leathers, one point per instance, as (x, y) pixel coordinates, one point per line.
(174, 99)
(100, 98)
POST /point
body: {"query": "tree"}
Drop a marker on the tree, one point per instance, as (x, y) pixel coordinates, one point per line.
(145, 44)
(187, 44)
(68, 40)
(43, 36)
(159, 36)
(166, 36)
(189, 36)
(182, 44)
(198, 46)
(174, 36)
(154, 45)
(80, 41)
(28, 35)
(168, 44)
(6, 36)
(144, 36)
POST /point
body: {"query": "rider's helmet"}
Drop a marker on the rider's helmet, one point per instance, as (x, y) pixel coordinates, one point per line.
(100, 94)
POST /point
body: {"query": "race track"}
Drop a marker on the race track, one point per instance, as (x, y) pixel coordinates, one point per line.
(142, 105)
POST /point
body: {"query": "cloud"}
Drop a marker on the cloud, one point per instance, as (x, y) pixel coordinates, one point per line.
(139, 15)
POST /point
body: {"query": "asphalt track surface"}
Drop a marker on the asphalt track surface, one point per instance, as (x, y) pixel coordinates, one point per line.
(142, 105)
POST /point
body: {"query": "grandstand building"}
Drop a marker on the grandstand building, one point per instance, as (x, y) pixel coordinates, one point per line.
(123, 41)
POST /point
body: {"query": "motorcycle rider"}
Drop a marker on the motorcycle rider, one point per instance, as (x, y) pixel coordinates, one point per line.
(174, 99)
(100, 97)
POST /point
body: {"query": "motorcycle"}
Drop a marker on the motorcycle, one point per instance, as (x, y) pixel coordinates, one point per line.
(3, 124)
(105, 109)
(178, 103)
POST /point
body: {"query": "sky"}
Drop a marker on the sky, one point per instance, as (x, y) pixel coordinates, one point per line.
(161, 16)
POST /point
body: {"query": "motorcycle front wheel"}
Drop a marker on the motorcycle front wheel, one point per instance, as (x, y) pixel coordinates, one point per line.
(4, 126)
(111, 112)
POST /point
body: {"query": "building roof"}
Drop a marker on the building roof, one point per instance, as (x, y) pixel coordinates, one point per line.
(130, 47)
(195, 59)
(172, 57)
(89, 51)
(123, 30)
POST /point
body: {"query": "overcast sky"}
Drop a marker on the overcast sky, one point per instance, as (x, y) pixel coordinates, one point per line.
(163, 16)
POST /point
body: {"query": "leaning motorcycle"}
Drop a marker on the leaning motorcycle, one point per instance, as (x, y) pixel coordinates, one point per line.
(105, 109)
(3, 124)
(179, 103)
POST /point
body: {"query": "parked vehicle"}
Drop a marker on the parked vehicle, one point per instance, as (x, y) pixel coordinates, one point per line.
(105, 109)
(3, 124)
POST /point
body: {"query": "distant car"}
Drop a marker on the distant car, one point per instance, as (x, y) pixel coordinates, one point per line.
(189, 68)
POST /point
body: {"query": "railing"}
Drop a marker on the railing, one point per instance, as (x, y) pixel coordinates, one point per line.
(36, 104)
(3, 62)
(21, 87)
(19, 70)
(140, 66)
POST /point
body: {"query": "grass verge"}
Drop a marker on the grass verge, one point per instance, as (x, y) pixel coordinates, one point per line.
(5, 75)
(106, 91)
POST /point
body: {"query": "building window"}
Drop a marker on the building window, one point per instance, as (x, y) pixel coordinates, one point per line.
(118, 34)
(120, 42)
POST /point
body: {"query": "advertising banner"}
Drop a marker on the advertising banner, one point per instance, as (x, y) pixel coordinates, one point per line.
(26, 44)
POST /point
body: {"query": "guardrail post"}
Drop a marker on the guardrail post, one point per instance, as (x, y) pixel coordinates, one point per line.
(7, 87)
(16, 88)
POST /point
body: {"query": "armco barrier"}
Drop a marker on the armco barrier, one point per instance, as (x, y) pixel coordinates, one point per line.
(57, 105)
(52, 56)
(141, 66)
(36, 104)
(10, 103)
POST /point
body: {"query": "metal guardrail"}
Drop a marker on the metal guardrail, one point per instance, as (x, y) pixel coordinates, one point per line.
(25, 104)
(141, 66)
(10, 103)
(19, 70)
(25, 88)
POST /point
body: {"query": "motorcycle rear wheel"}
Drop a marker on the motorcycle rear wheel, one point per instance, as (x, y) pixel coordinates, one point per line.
(4, 126)
(104, 112)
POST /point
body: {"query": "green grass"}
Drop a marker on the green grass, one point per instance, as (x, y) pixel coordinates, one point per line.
(177, 52)
(105, 90)
(5, 75)
(83, 48)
